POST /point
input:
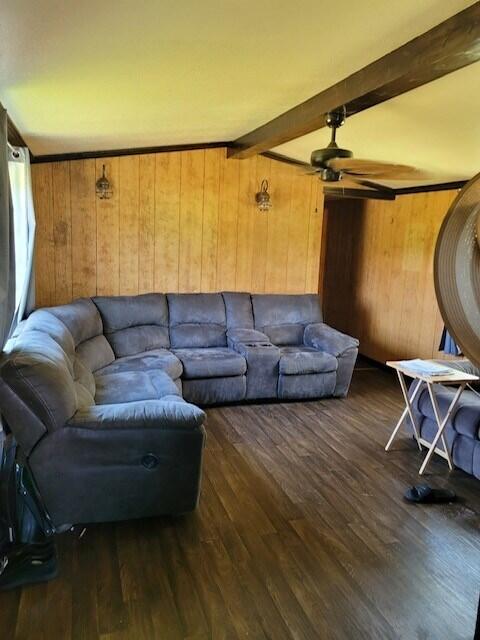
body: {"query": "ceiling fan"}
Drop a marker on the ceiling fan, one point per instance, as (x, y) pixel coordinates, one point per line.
(351, 177)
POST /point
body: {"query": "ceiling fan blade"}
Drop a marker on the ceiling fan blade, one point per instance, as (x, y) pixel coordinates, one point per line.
(369, 184)
(379, 170)
(355, 187)
(309, 170)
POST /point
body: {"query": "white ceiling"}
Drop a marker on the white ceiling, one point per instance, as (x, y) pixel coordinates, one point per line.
(83, 75)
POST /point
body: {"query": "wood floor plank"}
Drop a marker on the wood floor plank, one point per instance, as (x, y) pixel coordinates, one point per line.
(301, 533)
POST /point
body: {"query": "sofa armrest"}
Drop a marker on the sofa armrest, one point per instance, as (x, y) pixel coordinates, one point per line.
(324, 338)
(246, 337)
(154, 414)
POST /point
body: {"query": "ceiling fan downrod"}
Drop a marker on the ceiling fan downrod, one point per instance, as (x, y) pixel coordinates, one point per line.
(320, 157)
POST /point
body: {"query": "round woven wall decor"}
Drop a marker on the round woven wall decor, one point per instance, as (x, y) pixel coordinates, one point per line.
(457, 270)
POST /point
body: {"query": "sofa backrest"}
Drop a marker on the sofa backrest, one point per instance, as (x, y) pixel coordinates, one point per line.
(197, 320)
(82, 319)
(133, 324)
(238, 308)
(40, 374)
(283, 318)
(43, 320)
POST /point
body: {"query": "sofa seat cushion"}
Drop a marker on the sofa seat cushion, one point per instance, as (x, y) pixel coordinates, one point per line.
(154, 359)
(301, 360)
(211, 362)
(133, 386)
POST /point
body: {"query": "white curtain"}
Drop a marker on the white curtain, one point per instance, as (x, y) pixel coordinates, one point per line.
(7, 253)
(24, 230)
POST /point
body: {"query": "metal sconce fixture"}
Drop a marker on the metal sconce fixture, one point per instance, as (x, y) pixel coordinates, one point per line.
(103, 187)
(262, 198)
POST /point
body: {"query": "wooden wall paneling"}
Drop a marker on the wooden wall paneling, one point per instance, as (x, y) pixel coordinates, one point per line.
(227, 225)
(44, 237)
(129, 205)
(146, 223)
(314, 236)
(371, 286)
(392, 241)
(191, 220)
(62, 231)
(386, 295)
(214, 159)
(108, 230)
(278, 225)
(298, 229)
(84, 228)
(167, 220)
(323, 249)
(409, 269)
(430, 314)
(260, 229)
(418, 255)
(247, 212)
(177, 221)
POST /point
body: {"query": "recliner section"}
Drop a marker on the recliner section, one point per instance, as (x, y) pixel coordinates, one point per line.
(95, 388)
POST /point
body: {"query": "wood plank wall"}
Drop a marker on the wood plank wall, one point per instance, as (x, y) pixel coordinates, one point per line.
(177, 221)
(378, 281)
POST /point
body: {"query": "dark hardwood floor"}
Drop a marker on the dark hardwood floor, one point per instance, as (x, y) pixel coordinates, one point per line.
(301, 533)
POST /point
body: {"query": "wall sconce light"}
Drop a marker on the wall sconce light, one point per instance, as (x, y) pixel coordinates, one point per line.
(262, 198)
(103, 188)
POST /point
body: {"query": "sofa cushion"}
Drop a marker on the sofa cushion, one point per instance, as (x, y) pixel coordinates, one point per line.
(121, 312)
(216, 362)
(285, 334)
(43, 320)
(238, 307)
(127, 342)
(284, 317)
(41, 374)
(83, 375)
(84, 384)
(304, 360)
(197, 320)
(95, 353)
(133, 386)
(154, 359)
(274, 309)
(466, 418)
(133, 324)
(81, 317)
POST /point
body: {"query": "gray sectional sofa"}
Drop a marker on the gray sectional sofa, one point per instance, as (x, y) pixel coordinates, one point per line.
(101, 393)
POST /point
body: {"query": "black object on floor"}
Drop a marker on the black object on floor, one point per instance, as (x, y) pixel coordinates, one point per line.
(27, 564)
(424, 494)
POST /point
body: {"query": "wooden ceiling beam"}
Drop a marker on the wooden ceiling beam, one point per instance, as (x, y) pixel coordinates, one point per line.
(451, 45)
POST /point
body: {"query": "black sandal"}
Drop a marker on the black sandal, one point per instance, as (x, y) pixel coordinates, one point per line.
(28, 564)
(423, 494)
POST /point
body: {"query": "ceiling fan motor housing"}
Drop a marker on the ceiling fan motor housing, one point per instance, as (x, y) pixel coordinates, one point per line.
(320, 158)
